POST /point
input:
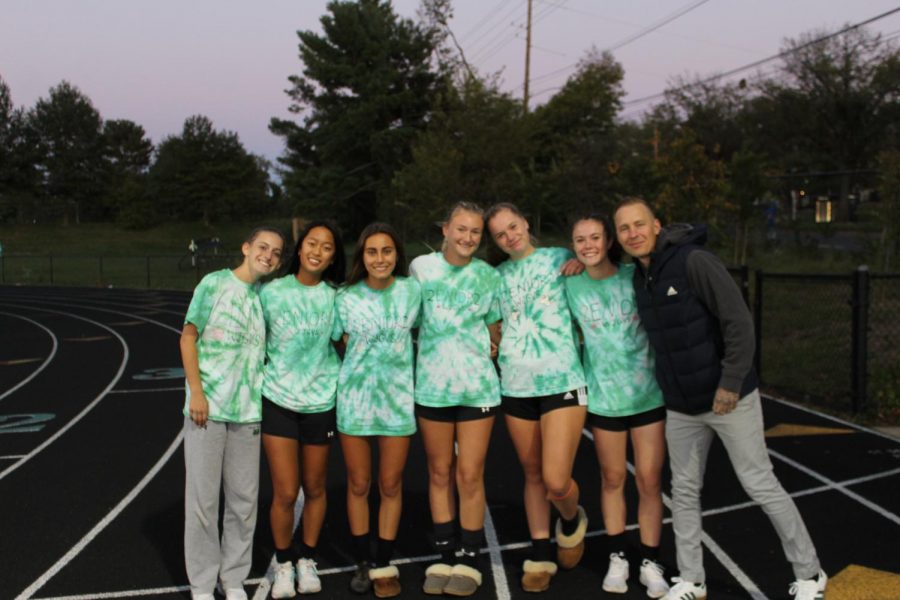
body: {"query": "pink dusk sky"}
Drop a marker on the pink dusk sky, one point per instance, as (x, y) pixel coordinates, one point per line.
(157, 63)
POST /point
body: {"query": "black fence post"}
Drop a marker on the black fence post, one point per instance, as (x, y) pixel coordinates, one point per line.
(758, 323)
(51, 269)
(148, 272)
(2, 269)
(100, 268)
(860, 340)
(745, 285)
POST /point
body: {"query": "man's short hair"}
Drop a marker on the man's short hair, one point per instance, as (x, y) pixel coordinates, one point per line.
(629, 201)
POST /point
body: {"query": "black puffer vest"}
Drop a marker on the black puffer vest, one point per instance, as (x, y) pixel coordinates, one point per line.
(684, 334)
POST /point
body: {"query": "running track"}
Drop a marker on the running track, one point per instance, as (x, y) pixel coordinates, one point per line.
(91, 477)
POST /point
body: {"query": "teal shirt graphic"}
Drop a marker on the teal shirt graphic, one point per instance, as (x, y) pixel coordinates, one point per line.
(375, 386)
(618, 362)
(454, 366)
(538, 350)
(302, 365)
(230, 348)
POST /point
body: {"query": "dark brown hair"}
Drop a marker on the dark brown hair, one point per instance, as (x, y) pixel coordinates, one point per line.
(358, 267)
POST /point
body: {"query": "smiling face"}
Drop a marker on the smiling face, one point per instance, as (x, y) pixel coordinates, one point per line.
(262, 254)
(637, 228)
(590, 242)
(379, 258)
(510, 232)
(316, 254)
(462, 235)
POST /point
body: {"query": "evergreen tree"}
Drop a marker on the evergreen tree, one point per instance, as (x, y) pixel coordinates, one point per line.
(365, 93)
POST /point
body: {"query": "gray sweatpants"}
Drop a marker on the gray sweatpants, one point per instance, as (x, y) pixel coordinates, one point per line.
(688, 438)
(219, 454)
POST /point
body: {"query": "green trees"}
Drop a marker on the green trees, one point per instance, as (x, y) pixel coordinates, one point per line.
(575, 142)
(366, 91)
(68, 131)
(206, 174)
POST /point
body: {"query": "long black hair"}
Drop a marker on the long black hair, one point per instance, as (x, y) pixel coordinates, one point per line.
(614, 252)
(337, 270)
(358, 267)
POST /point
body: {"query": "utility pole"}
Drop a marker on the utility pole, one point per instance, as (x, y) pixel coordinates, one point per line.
(527, 59)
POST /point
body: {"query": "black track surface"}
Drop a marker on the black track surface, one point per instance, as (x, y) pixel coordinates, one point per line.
(82, 516)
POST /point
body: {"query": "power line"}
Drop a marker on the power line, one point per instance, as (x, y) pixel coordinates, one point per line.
(624, 42)
(486, 19)
(763, 61)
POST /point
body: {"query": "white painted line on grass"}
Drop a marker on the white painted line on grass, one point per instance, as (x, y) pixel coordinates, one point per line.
(43, 364)
(106, 520)
(87, 408)
(12, 456)
(837, 487)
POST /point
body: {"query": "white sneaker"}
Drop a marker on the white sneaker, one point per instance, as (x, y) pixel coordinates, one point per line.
(235, 594)
(308, 577)
(616, 578)
(809, 589)
(283, 587)
(686, 590)
(652, 578)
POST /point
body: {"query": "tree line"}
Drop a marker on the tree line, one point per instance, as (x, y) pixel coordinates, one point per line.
(391, 122)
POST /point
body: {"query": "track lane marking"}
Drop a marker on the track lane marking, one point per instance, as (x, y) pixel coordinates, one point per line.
(831, 484)
(43, 365)
(106, 520)
(86, 409)
(732, 567)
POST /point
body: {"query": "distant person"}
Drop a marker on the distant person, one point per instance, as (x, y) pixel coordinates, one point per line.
(299, 389)
(222, 348)
(543, 391)
(457, 394)
(702, 333)
(375, 315)
(624, 400)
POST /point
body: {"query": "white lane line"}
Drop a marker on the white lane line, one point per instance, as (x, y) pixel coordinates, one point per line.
(43, 364)
(501, 585)
(87, 408)
(125, 594)
(742, 578)
(837, 487)
(106, 520)
(148, 390)
(268, 579)
(830, 417)
(499, 549)
(12, 456)
(108, 310)
(179, 313)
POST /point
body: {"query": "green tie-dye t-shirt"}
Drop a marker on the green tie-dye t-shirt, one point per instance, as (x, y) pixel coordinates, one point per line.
(454, 366)
(375, 386)
(231, 347)
(618, 362)
(302, 365)
(538, 352)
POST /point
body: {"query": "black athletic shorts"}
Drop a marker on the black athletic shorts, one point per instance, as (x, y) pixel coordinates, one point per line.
(455, 414)
(532, 408)
(630, 422)
(306, 428)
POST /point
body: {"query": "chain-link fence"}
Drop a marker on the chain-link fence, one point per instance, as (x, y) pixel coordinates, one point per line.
(153, 272)
(804, 336)
(884, 346)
